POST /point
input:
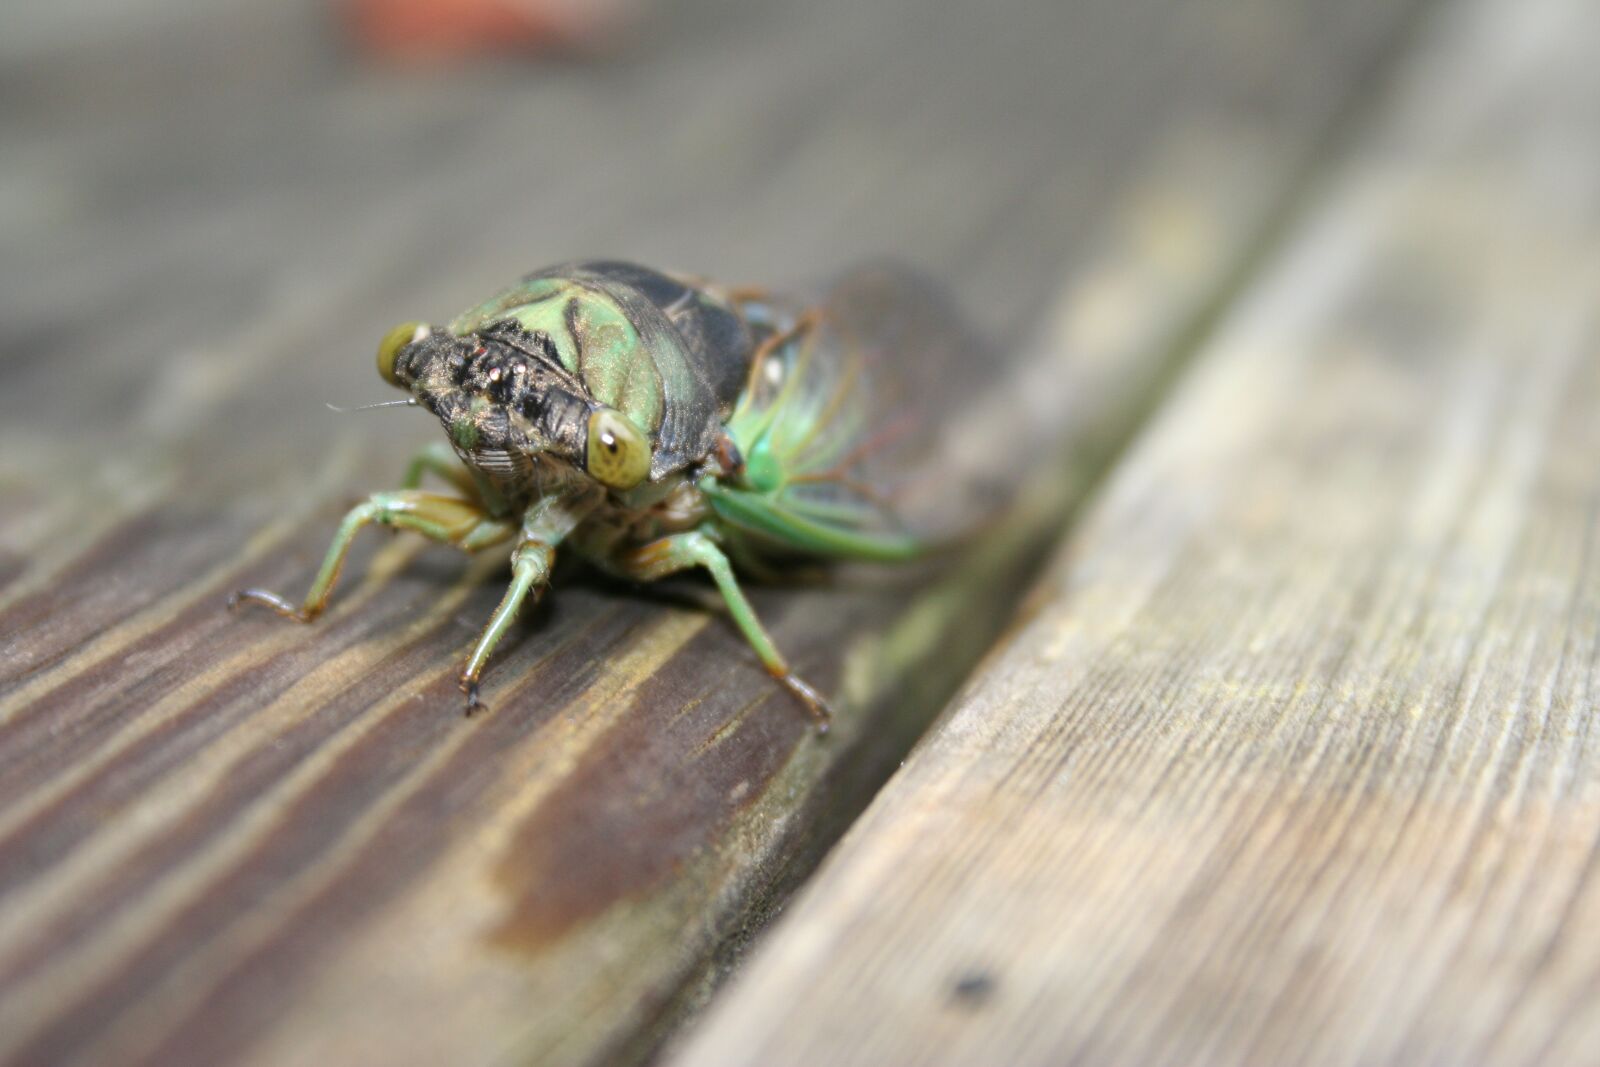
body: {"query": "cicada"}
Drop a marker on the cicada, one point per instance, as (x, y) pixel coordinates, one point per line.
(649, 424)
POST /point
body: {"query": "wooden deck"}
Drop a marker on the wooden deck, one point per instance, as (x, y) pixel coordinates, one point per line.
(1286, 757)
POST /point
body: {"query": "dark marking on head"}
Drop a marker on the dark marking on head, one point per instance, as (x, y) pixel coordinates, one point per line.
(570, 314)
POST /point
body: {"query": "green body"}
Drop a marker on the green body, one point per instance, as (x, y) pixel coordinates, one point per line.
(647, 423)
(669, 356)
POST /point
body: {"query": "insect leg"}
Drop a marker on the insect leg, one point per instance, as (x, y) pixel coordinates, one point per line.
(679, 552)
(530, 570)
(545, 523)
(442, 518)
(440, 459)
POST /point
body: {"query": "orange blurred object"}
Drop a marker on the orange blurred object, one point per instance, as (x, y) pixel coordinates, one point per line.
(447, 29)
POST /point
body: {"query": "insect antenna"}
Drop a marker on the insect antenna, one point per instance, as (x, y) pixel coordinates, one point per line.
(408, 402)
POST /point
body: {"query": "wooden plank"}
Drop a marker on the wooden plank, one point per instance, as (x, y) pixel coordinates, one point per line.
(1296, 760)
(224, 840)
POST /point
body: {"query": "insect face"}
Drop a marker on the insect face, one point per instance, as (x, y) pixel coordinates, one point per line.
(507, 404)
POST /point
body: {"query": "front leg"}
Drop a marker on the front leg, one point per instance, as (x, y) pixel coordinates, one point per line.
(545, 524)
(530, 571)
(439, 459)
(679, 552)
(442, 518)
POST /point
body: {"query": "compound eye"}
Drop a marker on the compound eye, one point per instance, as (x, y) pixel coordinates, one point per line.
(619, 454)
(393, 341)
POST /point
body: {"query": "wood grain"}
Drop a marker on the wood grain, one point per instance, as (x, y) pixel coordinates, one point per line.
(228, 840)
(1297, 759)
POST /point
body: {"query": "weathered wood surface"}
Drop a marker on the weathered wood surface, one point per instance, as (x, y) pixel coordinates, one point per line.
(1297, 759)
(226, 839)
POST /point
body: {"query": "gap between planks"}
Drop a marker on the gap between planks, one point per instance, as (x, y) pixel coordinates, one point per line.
(1296, 759)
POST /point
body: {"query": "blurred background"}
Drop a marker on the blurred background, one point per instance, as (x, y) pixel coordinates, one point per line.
(218, 192)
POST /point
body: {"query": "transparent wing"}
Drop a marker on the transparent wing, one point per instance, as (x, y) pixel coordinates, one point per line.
(838, 417)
